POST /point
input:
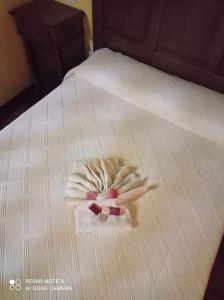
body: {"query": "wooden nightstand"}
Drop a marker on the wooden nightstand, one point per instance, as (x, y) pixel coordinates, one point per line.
(54, 38)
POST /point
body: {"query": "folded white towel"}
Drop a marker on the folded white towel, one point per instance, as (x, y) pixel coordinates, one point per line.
(88, 221)
(100, 176)
(112, 185)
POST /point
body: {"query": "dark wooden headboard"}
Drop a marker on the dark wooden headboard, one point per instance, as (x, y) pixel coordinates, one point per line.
(181, 37)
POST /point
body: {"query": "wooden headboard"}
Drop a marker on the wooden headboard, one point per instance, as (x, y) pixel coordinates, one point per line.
(181, 37)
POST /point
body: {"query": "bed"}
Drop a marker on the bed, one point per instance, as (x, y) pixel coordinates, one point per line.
(106, 107)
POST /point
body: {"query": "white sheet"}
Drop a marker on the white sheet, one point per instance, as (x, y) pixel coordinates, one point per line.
(188, 105)
(168, 256)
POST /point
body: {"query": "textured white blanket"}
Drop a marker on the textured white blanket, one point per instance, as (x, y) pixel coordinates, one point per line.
(168, 256)
(186, 104)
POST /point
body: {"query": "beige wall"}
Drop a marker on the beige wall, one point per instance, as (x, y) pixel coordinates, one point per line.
(14, 71)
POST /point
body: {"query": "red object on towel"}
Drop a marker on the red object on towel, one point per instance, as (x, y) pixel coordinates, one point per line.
(96, 209)
(116, 211)
(91, 195)
(112, 193)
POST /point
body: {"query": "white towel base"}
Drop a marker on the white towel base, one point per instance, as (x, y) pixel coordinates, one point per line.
(86, 220)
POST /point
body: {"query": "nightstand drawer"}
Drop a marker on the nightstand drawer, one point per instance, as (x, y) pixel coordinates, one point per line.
(68, 30)
(33, 31)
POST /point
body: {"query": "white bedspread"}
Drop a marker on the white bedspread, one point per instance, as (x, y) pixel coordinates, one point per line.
(184, 103)
(168, 255)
